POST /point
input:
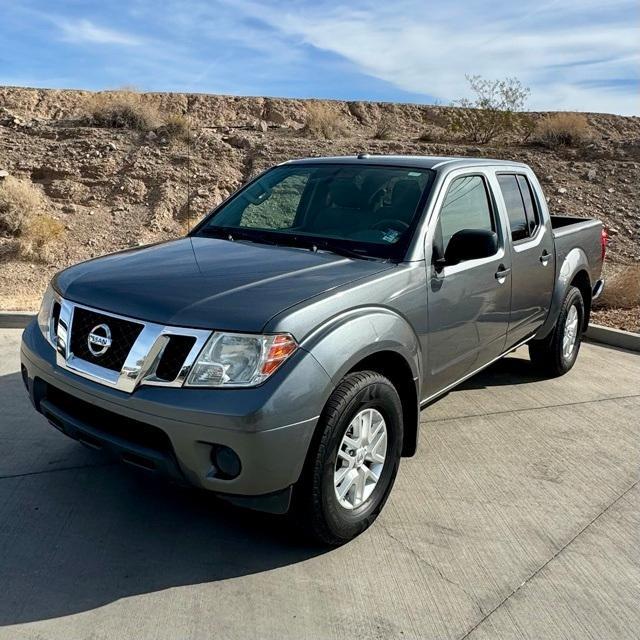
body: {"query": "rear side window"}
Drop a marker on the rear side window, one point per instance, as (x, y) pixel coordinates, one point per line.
(515, 206)
(523, 216)
(529, 204)
(466, 206)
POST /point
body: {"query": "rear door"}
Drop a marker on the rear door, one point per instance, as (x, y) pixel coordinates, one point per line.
(468, 305)
(532, 255)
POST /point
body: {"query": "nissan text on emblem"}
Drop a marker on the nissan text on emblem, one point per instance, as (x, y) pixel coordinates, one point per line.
(99, 340)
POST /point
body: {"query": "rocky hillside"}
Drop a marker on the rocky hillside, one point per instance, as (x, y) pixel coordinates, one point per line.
(119, 187)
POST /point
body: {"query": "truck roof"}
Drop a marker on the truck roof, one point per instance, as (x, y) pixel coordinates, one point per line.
(423, 162)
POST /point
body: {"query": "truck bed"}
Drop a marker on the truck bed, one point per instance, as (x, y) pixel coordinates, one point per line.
(570, 232)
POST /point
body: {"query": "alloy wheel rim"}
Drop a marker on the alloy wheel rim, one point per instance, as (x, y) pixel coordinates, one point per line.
(570, 332)
(360, 460)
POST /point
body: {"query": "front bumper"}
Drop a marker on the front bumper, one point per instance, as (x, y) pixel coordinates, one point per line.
(172, 431)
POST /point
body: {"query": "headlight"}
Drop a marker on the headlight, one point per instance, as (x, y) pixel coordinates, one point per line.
(240, 359)
(44, 315)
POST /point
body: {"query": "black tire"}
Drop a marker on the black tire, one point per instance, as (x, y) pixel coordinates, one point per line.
(547, 355)
(316, 505)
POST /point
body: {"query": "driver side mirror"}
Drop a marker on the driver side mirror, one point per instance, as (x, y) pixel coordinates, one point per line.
(470, 244)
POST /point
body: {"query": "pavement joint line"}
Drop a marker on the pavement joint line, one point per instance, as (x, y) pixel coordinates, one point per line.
(43, 471)
(553, 557)
(546, 406)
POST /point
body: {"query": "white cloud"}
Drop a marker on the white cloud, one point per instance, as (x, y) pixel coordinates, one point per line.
(557, 49)
(573, 54)
(85, 31)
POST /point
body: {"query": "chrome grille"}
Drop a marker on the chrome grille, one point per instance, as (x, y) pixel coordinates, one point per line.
(123, 332)
(173, 357)
(142, 353)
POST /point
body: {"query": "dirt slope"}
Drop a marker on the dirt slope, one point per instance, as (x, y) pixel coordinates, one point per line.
(116, 188)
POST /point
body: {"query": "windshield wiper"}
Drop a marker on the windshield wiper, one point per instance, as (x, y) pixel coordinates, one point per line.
(284, 239)
(332, 247)
(237, 233)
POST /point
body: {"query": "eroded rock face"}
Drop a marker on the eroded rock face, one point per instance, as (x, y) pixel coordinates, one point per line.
(116, 188)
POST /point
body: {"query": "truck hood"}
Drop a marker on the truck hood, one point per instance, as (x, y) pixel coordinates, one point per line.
(208, 283)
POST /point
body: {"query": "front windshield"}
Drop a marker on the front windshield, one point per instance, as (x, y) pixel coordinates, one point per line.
(369, 210)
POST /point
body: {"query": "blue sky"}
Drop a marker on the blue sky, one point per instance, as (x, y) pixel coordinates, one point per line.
(573, 54)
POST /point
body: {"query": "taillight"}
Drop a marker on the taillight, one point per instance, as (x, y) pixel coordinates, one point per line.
(604, 239)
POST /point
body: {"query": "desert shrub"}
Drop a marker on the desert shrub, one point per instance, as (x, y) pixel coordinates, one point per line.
(20, 201)
(493, 110)
(39, 237)
(22, 216)
(322, 122)
(562, 130)
(431, 134)
(622, 288)
(123, 109)
(359, 111)
(526, 126)
(176, 127)
(435, 117)
(384, 130)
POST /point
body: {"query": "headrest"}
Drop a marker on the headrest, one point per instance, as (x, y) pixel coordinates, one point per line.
(406, 193)
(345, 194)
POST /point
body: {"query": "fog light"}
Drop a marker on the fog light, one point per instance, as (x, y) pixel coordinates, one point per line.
(226, 462)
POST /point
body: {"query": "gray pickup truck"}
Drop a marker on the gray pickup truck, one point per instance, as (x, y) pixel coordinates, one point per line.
(279, 355)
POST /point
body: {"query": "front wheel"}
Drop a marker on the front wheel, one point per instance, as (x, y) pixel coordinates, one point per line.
(354, 461)
(555, 355)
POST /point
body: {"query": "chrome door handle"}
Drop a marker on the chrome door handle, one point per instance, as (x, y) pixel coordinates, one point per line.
(544, 258)
(502, 272)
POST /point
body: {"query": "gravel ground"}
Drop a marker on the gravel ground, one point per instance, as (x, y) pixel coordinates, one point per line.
(117, 188)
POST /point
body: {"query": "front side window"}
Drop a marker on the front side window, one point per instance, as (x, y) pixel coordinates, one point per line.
(466, 206)
(367, 209)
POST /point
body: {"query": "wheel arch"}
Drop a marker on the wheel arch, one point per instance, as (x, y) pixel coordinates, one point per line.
(377, 339)
(574, 271)
(393, 366)
(582, 282)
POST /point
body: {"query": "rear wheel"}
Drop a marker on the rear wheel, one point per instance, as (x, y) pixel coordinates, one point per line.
(555, 355)
(354, 461)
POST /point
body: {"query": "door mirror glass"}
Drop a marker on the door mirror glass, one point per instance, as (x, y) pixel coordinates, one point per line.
(471, 244)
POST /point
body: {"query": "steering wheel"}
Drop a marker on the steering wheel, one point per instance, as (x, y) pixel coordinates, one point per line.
(387, 223)
(377, 194)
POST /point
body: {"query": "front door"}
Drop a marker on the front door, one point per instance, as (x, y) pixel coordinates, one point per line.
(468, 303)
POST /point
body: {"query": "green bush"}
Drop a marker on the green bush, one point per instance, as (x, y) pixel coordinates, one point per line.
(493, 111)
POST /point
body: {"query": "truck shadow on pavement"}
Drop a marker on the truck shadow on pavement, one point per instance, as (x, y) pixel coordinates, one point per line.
(78, 531)
(506, 371)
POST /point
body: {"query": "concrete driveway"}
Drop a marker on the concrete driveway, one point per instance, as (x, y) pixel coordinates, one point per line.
(518, 518)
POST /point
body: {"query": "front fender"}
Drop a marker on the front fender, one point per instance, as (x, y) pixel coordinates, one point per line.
(575, 261)
(346, 339)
